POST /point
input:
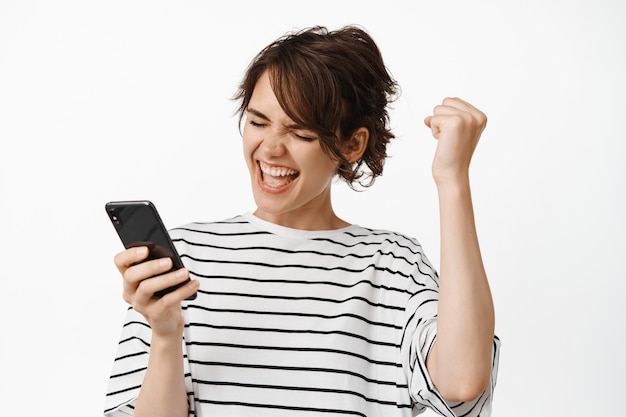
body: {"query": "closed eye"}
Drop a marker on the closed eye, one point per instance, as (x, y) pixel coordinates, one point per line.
(255, 124)
(304, 138)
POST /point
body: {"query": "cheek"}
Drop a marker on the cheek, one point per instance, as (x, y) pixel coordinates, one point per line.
(248, 143)
(322, 165)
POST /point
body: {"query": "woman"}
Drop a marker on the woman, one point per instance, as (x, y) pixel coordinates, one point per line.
(298, 311)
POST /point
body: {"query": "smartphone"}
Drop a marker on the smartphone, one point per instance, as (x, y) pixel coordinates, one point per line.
(138, 224)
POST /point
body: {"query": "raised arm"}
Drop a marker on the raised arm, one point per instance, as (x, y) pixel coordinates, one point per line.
(460, 360)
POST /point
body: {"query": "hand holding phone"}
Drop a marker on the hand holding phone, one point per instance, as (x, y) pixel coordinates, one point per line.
(138, 224)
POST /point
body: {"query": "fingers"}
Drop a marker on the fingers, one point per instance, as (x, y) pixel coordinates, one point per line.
(139, 289)
(457, 106)
(457, 125)
(148, 286)
(182, 293)
(433, 124)
(147, 269)
(129, 257)
(141, 281)
(164, 315)
(141, 278)
(455, 113)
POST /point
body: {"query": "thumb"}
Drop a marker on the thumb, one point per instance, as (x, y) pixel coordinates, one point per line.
(434, 127)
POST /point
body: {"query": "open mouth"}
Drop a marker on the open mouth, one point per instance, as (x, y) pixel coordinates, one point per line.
(276, 177)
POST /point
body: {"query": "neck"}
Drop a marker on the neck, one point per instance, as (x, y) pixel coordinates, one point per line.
(315, 215)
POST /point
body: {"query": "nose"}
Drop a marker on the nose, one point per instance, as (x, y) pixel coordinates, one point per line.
(273, 143)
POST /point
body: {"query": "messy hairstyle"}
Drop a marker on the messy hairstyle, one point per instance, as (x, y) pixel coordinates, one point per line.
(332, 83)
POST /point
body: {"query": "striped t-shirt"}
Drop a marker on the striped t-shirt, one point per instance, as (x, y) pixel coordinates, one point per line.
(300, 324)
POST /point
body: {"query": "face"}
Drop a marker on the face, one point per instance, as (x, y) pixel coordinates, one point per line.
(291, 174)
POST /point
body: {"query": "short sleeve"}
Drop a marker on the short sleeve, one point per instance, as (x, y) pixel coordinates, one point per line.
(129, 367)
(419, 336)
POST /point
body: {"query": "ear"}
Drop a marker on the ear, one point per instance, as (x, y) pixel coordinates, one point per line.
(356, 146)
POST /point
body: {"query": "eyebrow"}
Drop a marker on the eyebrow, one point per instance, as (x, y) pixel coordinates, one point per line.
(258, 114)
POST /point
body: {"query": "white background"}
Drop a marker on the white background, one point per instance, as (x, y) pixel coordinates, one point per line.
(104, 100)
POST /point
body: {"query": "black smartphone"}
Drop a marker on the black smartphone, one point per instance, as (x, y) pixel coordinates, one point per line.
(138, 224)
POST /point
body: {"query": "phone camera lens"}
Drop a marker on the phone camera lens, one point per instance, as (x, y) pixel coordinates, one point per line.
(115, 218)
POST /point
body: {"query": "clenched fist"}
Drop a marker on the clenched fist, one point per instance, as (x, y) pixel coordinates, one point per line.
(457, 125)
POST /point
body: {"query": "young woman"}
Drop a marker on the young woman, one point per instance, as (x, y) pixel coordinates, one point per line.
(299, 312)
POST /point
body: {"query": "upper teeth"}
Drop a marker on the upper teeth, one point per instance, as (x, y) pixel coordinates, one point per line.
(276, 171)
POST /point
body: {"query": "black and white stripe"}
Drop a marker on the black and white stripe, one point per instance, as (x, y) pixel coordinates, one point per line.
(299, 323)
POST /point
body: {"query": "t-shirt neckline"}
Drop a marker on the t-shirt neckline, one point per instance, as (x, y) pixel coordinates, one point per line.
(293, 233)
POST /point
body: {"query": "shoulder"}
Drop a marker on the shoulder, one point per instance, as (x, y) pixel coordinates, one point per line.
(233, 225)
(230, 232)
(398, 252)
(384, 237)
(384, 244)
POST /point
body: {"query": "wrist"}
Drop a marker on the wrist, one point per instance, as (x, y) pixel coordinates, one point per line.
(166, 351)
(166, 342)
(452, 184)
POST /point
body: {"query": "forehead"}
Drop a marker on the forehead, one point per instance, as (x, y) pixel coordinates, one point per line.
(262, 92)
(263, 102)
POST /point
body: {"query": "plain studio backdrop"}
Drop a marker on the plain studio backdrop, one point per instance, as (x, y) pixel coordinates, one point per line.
(105, 100)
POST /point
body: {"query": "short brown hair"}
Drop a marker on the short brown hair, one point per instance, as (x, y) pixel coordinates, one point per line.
(330, 82)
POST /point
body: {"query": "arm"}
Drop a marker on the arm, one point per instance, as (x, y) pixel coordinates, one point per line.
(163, 391)
(460, 360)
